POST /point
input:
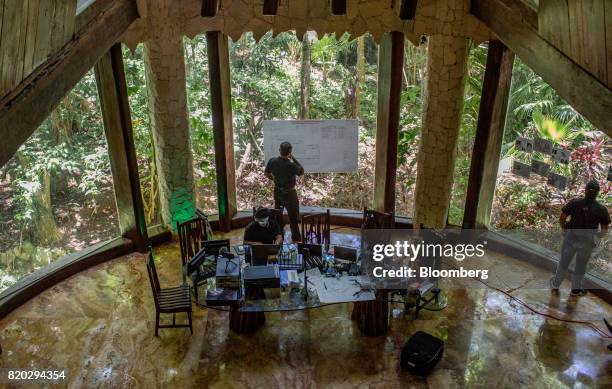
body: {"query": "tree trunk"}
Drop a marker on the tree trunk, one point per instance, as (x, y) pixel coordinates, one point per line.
(45, 228)
(305, 78)
(244, 161)
(360, 75)
(42, 228)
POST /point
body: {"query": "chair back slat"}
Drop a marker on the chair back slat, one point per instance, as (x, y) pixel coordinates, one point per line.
(153, 279)
(316, 228)
(374, 220)
(191, 235)
(208, 232)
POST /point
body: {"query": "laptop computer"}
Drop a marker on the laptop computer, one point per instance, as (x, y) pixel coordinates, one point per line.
(316, 250)
(345, 253)
(316, 255)
(212, 247)
(261, 252)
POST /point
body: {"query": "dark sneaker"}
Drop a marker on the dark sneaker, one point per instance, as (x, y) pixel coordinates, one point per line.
(578, 292)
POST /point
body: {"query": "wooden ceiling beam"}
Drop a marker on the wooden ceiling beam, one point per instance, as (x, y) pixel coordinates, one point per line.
(26, 107)
(88, 10)
(583, 91)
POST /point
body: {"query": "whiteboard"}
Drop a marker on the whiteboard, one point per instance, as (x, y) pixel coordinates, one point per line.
(321, 146)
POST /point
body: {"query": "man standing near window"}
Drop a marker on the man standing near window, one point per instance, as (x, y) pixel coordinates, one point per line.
(283, 170)
(585, 216)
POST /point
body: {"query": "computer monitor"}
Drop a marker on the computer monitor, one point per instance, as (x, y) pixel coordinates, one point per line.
(195, 262)
(212, 247)
(261, 252)
(316, 250)
(345, 253)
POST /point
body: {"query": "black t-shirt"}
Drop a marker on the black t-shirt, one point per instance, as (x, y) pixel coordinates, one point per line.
(284, 172)
(585, 214)
(256, 233)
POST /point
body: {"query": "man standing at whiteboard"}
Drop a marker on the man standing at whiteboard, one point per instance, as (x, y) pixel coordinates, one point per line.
(283, 170)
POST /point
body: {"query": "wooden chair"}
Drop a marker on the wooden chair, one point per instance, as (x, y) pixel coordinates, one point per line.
(191, 234)
(316, 229)
(207, 228)
(374, 220)
(168, 300)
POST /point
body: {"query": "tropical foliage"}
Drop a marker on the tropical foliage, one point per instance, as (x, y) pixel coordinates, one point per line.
(57, 191)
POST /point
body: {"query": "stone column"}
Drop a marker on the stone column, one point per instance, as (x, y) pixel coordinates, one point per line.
(441, 119)
(166, 84)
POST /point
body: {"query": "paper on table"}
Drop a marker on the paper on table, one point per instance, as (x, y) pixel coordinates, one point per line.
(338, 290)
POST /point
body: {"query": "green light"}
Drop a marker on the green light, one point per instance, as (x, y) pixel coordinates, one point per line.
(182, 206)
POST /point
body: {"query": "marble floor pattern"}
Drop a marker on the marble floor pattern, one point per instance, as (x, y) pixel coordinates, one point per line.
(99, 325)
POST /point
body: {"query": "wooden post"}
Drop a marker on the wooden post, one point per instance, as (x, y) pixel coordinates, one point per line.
(390, 65)
(112, 89)
(489, 136)
(221, 107)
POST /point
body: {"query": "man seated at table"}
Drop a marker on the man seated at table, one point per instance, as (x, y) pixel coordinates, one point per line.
(263, 230)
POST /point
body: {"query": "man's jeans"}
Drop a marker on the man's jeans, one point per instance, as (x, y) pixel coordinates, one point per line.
(289, 200)
(573, 247)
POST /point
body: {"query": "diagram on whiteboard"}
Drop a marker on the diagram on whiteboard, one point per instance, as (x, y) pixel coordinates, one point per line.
(321, 146)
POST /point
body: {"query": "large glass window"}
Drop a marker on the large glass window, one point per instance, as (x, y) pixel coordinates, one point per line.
(410, 128)
(477, 62)
(57, 192)
(265, 86)
(200, 121)
(415, 59)
(143, 140)
(271, 79)
(528, 209)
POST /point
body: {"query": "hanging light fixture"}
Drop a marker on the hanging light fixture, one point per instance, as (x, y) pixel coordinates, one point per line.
(270, 7)
(210, 8)
(407, 10)
(338, 7)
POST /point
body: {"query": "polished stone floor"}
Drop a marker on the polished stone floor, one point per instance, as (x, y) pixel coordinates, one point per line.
(99, 325)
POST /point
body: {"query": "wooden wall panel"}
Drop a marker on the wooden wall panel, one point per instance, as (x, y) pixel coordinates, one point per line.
(594, 38)
(30, 37)
(69, 21)
(575, 20)
(588, 36)
(31, 31)
(57, 27)
(578, 28)
(26, 107)
(553, 23)
(13, 38)
(46, 12)
(586, 93)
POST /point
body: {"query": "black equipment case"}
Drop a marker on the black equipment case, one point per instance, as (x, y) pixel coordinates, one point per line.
(421, 353)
